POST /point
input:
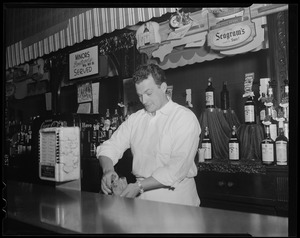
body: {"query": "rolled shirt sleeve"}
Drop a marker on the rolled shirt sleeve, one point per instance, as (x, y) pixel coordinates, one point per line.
(117, 144)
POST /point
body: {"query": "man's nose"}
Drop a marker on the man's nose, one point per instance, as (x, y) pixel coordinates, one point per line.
(144, 98)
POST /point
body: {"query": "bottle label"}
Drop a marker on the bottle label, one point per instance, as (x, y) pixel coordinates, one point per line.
(249, 113)
(273, 131)
(209, 98)
(267, 152)
(262, 115)
(233, 151)
(207, 153)
(281, 152)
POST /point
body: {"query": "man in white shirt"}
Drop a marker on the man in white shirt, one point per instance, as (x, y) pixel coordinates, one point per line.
(163, 138)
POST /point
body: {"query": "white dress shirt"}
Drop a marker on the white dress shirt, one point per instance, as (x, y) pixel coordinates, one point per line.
(164, 146)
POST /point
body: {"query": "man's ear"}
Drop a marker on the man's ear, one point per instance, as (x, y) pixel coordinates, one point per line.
(164, 87)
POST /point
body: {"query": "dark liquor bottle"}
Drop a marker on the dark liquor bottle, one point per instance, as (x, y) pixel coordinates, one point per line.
(224, 97)
(107, 123)
(93, 143)
(209, 95)
(24, 139)
(234, 146)
(268, 148)
(29, 139)
(249, 110)
(206, 143)
(20, 140)
(101, 133)
(281, 145)
(262, 108)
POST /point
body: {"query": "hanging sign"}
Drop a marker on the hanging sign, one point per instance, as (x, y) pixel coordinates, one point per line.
(148, 34)
(236, 34)
(84, 63)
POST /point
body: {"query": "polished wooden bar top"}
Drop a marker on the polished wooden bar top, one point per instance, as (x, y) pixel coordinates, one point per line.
(69, 211)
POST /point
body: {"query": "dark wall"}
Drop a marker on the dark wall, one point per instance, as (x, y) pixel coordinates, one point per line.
(108, 96)
(23, 109)
(231, 69)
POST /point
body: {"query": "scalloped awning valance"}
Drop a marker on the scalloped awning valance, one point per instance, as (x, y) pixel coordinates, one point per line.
(85, 26)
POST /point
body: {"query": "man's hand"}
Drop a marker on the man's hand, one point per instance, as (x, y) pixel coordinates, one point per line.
(131, 191)
(107, 180)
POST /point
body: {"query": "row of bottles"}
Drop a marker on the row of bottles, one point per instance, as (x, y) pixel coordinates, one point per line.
(19, 138)
(263, 112)
(272, 151)
(267, 113)
(210, 96)
(233, 145)
(275, 151)
(103, 129)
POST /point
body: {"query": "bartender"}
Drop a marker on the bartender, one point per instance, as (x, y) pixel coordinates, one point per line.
(163, 137)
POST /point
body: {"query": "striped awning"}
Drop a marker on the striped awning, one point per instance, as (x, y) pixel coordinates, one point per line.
(85, 26)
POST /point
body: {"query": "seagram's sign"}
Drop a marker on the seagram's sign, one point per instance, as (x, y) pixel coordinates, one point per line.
(231, 36)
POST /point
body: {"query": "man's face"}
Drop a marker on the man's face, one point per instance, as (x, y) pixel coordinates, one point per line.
(151, 95)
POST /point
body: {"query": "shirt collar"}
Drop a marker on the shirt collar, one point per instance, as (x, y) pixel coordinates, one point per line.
(165, 110)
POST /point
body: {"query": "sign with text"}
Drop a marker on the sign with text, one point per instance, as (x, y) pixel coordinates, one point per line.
(84, 93)
(84, 63)
(236, 34)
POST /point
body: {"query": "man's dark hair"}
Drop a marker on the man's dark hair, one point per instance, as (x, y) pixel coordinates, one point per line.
(143, 71)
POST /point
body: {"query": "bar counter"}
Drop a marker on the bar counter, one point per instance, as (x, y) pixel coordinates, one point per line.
(69, 211)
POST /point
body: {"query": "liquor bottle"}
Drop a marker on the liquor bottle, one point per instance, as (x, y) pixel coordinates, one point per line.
(249, 110)
(101, 134)
(281, 145)
(115, 121)
(262, 108)
(20, 141)
(268, 148)
(271, 114)
(24, 139)
(285, 105)
(234, 145)
(206, 143)
(224, 97)
(209, 95)
(93, 142)
(107, 120)
(29, 139)
(286, 98)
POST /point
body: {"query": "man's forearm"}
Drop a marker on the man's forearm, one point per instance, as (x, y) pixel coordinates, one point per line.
(106, 164)
(151, 183)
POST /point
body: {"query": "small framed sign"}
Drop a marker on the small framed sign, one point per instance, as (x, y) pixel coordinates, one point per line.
(84, 63)
(84, 92)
